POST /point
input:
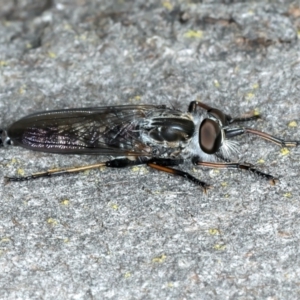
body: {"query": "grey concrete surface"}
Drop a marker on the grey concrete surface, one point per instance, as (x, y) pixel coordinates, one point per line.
(136, 233)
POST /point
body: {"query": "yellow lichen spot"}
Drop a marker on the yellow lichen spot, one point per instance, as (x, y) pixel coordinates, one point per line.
(135, 98)
(51, 54)
(114, 206)
(226, 196)
(260, 161)
(144, 170)
(249, 96)
(219, 247)
(83, 37)
(66, 240)
(3, 63)
(5, 240)
(14, 161)
(20, 172)
(255, 86)
(141, 170)
(214, 231)
(216, 83)
(170, 284)
(223, 184)
(256, 112)
(284, 151)
(65, 202)
(298, 34)
(28, 45)
(293, 124)
(52, 221)
(102, 168)
(167, 5)
(135, 169)
(216, 171)
(250, 12)
(127, 275)
(287, 195)
(198, 34)
(86, 172)
(22, 89)
(159, 259)
(67, 27)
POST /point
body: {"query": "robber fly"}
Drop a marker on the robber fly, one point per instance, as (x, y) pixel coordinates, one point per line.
(159, 137)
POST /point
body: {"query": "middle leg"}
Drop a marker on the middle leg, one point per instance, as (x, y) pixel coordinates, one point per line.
(241, 166)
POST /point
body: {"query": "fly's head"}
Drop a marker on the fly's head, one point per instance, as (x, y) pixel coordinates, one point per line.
(212, 134)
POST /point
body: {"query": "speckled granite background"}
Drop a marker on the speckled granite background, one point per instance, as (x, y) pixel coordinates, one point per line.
(136, 233)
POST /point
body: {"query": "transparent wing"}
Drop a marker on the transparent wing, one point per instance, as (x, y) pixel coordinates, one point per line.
(97, 130)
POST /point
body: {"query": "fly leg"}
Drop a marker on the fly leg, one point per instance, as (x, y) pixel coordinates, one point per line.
(272, 138)
(115, 163)
(232, 132)
(241, 166)
(55, 172)
(224, 118)
(160, 165)
(125, 162)
(195, 104)
(254, 117)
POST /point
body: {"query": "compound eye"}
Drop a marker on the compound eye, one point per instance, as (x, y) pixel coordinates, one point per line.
(210, 137)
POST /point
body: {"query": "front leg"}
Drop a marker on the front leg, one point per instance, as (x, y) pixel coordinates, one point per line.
(194, 105)
(232, 132)
(225, 119)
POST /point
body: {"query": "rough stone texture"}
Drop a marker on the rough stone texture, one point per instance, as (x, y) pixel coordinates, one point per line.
(136, 233)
